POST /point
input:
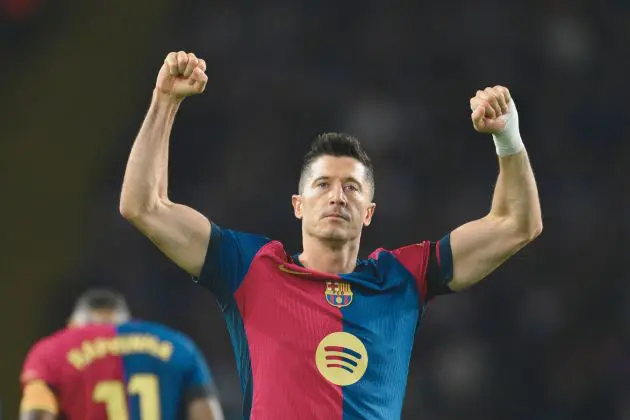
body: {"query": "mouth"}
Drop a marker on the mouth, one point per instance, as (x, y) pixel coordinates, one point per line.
(335, 215)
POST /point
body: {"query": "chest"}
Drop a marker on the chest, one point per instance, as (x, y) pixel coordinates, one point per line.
(378, 302)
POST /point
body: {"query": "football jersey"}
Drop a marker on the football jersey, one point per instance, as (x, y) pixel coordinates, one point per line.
(314, 345)
(132, 371)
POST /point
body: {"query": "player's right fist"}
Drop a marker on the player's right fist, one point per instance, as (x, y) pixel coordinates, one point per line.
(182, 75)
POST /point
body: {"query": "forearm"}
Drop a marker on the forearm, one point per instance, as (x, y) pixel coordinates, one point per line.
(516, 198)
(146, 176)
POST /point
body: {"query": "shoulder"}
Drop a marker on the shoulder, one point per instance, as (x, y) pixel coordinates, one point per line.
(42, 346)
(234, 247)
(412, 258)
(232, 256)
(42, 357)
(163, 332)
(49, 344)
(401, 254)
(223, 234)
(238, 247)
(147, 327)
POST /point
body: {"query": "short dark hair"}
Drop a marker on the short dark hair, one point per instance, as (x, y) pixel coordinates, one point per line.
(101, 299)
(336, 144)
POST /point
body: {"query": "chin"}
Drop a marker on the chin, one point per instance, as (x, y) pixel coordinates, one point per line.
(335, 233)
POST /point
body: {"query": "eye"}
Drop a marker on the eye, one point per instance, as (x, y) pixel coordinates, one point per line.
(322, 184)
(352, 187)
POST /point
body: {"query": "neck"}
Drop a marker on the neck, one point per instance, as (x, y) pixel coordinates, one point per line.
(329, 257)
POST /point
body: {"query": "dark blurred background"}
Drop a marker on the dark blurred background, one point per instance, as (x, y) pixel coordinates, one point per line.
(545, 337)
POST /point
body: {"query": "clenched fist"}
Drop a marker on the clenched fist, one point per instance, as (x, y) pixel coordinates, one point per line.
(182, 75)
(492, 108)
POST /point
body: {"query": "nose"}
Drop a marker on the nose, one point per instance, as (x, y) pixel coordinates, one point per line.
(338, 196)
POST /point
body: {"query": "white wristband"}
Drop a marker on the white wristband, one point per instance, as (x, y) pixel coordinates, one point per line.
(508, 141)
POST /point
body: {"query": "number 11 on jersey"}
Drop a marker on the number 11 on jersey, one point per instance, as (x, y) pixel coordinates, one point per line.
(114, 396)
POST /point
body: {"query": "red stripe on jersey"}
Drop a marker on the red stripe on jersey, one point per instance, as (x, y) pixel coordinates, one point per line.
(286, 381)
(415, 258)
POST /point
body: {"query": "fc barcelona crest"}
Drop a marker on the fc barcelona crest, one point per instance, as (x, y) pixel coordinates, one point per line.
(338, 293)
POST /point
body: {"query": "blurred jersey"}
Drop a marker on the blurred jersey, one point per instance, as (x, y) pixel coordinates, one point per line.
(313, 345)
(130, 371)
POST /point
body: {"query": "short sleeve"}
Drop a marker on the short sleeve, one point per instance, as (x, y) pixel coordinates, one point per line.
(198, 381)
(440, 268)
(228, 258)
(38, 365)
(431, 264)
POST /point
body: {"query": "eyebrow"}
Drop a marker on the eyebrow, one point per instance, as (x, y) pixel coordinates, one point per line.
(348, 179)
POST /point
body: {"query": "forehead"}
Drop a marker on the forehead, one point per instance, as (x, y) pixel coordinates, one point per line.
(341, 167)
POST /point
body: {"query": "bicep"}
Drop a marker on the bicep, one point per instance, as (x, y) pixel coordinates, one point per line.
(481, 246)
(180, 232)
(205, 409)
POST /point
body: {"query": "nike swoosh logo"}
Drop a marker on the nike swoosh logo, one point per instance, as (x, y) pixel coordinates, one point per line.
(282, 267)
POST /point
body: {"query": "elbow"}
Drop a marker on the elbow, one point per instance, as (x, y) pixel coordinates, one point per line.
(534, 226)
(135, 215)
(528, 232)
(536, 230)
(128, 209)
(133, 211)
(128, 212)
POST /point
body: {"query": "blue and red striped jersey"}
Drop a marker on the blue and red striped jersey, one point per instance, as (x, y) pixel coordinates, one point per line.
(132, 371)
(315, 345)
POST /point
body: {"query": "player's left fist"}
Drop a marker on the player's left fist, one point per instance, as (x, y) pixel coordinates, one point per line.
(491, 109)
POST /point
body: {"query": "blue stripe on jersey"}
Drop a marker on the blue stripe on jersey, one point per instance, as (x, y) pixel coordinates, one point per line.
(240, 345)
(170, 374)
(227, 261)
(446, 258)
(229, 256)
(388, 337)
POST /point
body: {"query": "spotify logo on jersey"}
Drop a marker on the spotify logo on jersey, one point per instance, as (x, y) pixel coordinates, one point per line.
(341, 358)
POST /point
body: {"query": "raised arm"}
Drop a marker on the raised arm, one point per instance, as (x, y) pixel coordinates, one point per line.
(515, 219)
(178, 231)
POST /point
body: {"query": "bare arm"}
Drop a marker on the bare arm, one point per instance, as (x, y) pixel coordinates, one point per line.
(38, 402)
(515, 218)
(37, 415)
(178, 231)
(205, 409)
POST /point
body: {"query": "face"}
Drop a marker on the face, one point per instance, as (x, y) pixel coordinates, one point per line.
(336, 201)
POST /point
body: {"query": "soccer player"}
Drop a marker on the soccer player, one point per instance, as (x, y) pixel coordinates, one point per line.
(104, 366)
(322, 334)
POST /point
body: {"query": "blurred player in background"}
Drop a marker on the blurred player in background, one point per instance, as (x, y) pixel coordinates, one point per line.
(322, 334)
(104, 366)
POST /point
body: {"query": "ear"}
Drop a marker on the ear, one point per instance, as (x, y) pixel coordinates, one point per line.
(296, 200)
(369, 213)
